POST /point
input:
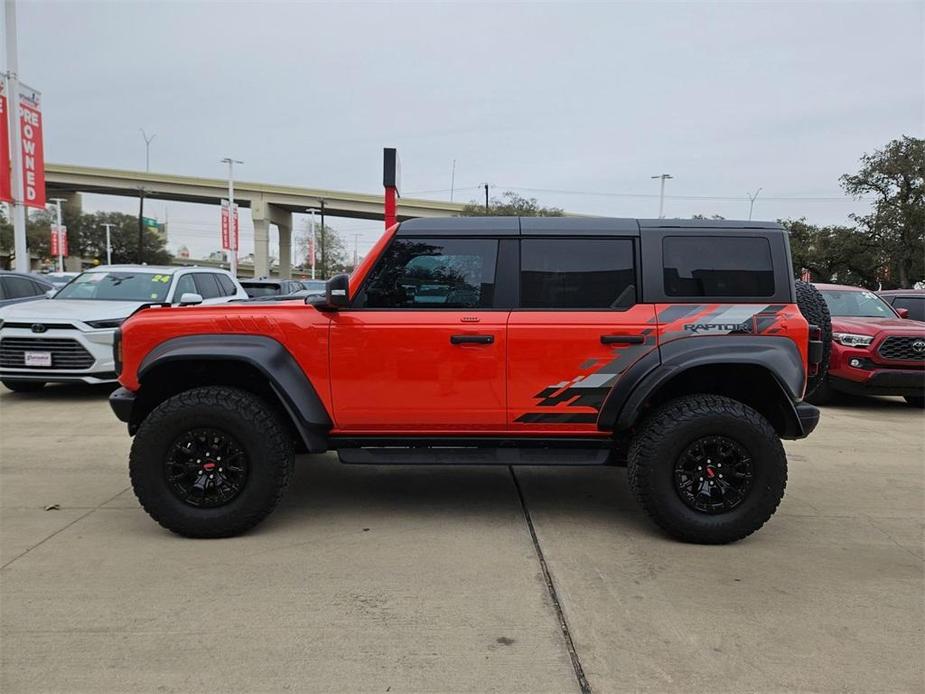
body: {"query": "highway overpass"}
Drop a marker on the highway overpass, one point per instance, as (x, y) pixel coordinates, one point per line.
(269, 203)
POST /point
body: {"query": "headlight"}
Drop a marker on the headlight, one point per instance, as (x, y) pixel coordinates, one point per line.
(852, 340)
(112, 323)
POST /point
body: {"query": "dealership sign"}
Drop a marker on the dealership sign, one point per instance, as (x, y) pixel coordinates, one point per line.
(58, 240)
(33, 161)
(229, 238)
(6, 188)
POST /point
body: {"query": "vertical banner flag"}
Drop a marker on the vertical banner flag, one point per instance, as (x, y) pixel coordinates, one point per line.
(62, 239)
(33, 162)
(226, 237)
(6, 188)
(54, 249)
(234, 236)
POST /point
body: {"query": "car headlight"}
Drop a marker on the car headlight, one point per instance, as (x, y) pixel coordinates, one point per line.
(111, 323)
(852, 340)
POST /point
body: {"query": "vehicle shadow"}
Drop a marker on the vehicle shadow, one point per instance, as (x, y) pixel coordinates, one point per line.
(869, 402)
(324, 489)
(61, 392)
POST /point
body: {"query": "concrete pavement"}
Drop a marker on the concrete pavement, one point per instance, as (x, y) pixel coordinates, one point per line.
(417, 579)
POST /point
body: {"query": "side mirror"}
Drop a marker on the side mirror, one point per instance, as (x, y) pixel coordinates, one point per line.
(337, 293)
(903, 312)
(190, 299)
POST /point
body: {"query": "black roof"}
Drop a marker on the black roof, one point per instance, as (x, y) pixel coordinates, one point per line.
(581, 226)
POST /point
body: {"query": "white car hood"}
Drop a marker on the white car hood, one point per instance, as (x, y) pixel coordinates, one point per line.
(68, 310)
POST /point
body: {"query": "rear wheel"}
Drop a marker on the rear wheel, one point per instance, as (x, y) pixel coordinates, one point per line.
(816, 312)
(211, 462)
(707, 469)
(24, 386)
(915, 400)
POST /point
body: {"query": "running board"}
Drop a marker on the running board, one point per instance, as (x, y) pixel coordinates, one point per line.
(481, 455)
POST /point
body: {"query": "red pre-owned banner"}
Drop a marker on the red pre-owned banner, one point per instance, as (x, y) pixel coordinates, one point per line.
(33, 155)
(53, 249)
(58, 244)
(6, 188)
(235, 236)
(226, 242)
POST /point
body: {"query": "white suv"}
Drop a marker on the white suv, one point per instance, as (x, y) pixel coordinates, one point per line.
(69, 337)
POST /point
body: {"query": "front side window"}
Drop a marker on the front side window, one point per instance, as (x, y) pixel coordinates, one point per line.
(227, 285)
(433, 273)
(185, 285)
(855, 304)
(20, 288)
(577, 273)
(127, 285)
(717, 266)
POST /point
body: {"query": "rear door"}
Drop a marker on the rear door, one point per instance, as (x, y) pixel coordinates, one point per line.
(577, 329)
(422, 347)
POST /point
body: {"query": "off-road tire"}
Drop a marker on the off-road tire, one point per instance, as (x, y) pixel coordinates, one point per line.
(915, 401)
(24, 386)
(814, 309)
(245, 417)
(668, 431)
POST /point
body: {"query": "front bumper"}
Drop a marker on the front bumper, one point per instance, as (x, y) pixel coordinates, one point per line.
(883, 382)
(122, 400)
(808, 416)
(93, 347)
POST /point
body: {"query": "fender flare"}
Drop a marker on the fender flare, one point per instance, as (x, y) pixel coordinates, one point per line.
(283, 373)
(777, 355)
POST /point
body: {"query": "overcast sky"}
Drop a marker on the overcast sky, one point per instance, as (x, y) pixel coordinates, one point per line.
(574, 104)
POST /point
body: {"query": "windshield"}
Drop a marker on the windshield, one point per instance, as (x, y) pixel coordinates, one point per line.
(129, 285)
(856, 304)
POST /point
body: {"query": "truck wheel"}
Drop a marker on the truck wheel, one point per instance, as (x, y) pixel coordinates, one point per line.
(816, 312)
(24, 386)
(211, 462)
(707, 469)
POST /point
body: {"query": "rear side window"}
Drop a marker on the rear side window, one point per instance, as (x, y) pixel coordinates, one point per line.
(577, 273)
(914, 304)
(717, 266)
(20, 287)
(207, 286)
(433, 274)
(228, 288)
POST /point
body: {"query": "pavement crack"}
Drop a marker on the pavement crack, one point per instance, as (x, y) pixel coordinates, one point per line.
(62, 529)
(583, 684)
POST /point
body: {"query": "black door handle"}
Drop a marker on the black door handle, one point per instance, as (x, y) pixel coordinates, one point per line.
(471, 339)
(622, 339)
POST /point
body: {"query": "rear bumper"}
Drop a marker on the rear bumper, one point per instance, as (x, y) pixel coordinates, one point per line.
(122, 401)
(883, 382)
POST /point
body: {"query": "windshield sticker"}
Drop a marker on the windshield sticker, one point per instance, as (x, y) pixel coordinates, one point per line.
(160, 278)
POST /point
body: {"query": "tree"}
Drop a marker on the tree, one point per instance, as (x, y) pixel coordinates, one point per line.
(896, 176)
(843, 255)
(335, 251)
(510, 205)
(91, 236)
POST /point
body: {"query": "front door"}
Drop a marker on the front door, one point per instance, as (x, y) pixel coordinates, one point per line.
(422, 348)
(577, 330)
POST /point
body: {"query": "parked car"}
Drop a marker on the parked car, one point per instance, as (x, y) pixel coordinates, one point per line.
(16, 288)
(314, 286)
(875, 351)
(58, 279)
(678, 348)
(69, 336)
(910, 300)
(258, 289)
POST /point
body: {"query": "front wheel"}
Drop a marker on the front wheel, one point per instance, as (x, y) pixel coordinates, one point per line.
(707, 469)
(211, 462)
(915, 401)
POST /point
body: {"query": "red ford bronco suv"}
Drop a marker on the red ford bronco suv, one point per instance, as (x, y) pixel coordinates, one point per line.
(681, 349)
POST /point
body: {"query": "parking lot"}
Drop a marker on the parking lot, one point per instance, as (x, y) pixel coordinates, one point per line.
(429, 579)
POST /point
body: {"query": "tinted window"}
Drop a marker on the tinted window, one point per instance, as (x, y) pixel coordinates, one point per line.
(207, 286)
(185, 285)
(227, 285)
(433, 273)
(915, 305)
(577, 273)
(262, 289)
(19, 287)
(856, 304)
(717, 266)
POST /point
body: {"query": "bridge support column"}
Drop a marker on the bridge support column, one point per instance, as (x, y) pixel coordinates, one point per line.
(261, 247)
(263, 214)
(285, 248)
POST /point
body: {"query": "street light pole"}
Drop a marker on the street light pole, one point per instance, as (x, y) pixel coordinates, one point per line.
(232, 218)
(17, 206)
(661, 195)
(141, 197)
(58, 202)
(486, 199)
(314, 241)
(751, 203)
(108, 243)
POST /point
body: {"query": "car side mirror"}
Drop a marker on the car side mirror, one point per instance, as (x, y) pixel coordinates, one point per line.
(337, 293)
(903, 312)
(190, 299)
